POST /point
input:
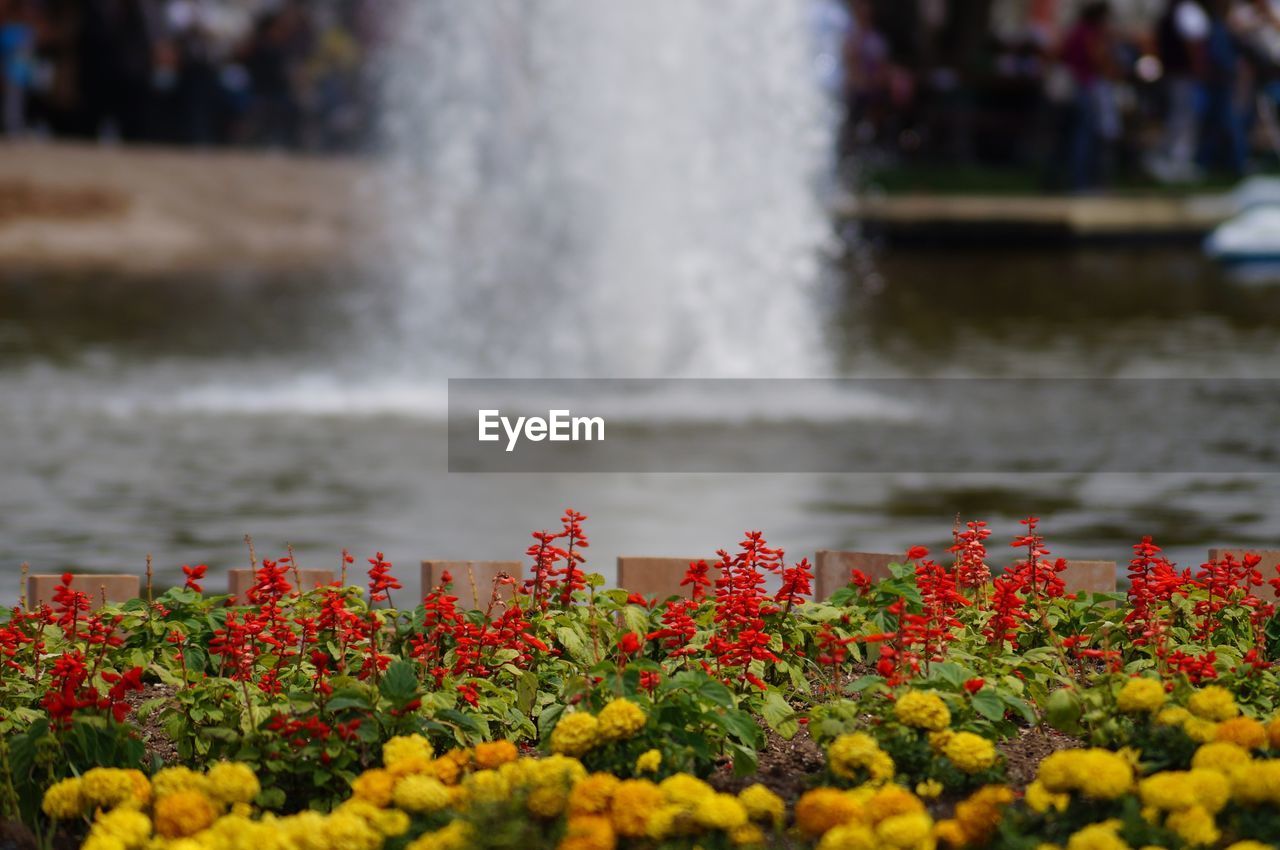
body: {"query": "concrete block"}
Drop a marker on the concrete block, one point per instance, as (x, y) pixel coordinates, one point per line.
(1270, 560)
(115, 588)
(473, 581)
(660, 577)
(1089, 576)
(239, 581)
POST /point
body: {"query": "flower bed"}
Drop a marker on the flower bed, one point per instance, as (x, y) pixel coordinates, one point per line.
(568, 715)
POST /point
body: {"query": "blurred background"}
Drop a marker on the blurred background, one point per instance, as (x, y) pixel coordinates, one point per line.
(243, 243)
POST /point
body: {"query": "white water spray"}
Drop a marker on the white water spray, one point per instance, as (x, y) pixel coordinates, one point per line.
(609, 189)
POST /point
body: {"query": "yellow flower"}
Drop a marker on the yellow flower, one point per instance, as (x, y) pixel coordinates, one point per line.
(1172, 716)
(1195, 826)
(406, 746)
(183, 813)
(929, 789)
(850, 754)
(1141, 695)
(619, 720)
(374, 786)
(592, 795)
(970, 753)
(575, 734)
(487, 787)
(1245, 731)
(350, 831)
(1098, 836)
(938, 740)
(950, 833)
(979, 815)
(685, 790)
(747, 835)
(634, 800)
(763, 806)
(1213, 703)
(495, 754)
(128, 826)
(649, 762)
(1249, 845)
(1175, 790)
(1041, 800)
(922, 710)
(891, 800)
(669, 821)
(720, 811)
(1222, 756)
(849, 836)
(1096, 773)
(823, 808)
(905, 831)
(418, 794)
(1200, 730)
(588, 832)
(1255, 783)
(232, 782)
(172, 779)
(447, 770)
(64, 799)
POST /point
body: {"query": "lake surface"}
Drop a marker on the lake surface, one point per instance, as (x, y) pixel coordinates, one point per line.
(172, 417)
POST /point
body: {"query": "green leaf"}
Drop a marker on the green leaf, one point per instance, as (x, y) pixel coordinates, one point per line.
(526, 691)
(400, 683)
(780, 716)
(573, 643)
(988, 703)
(1063, 711)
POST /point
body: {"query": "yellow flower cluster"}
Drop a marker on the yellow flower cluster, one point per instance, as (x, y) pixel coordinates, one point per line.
(1214, 703)
(858, 757)
(969, 752)
(922, 710)
(1141, 696)
(1094, 773)
(976, 818)
(865, 818)
(578, 733)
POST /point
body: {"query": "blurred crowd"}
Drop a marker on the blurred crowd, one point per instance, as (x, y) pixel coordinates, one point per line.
(271, 73)
(1088, 92)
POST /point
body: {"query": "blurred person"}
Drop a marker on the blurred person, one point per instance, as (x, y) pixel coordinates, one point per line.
(1223, 145)
(197, 91)
(116, 70)
(874, 87)
(332, 81)
(1182, 35)
(272, 58)
(1087, 53)
(17, 61)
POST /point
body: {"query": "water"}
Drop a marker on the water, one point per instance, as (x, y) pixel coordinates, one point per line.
(581, 189)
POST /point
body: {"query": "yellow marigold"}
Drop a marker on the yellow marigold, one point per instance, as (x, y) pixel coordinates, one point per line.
(374, 786)
(634, 800)
(1249, 845)
(1172, 716)
(1213, 703)
(922, 710)
(1095, 773)
(455, 836)
(64, 800)
(588, 832)
(1041, 799)
(548, 801)
(1273, 735)
(720, 811)
(418, 794)
(592, 795)
(232, 782)
(1174, 790)
(891, 800)
(108, 787)
(929, 789)
(669, 821)
(495, 754)
(575, 734)
(763, 806)
(620, 719)
(556, 770)
(823, 808)
(1141, 695)
(128, 826)
(487, 787)
(684, 789)
(183, 813)
(1222, 756)
(1195, 826)
(447, 770)
(1245, 731)
(351, 832)
(938, 740)
(747, 835)
(386, 822)
(970, 753)
(406, 746)
(950, 833)
(850, 754)
(649, 762)
(179, 778)
(980, 814)
(1256, 783)
(1200, 730)
(411, 765)
(905, 831)
(1098, 836)
(849, 836)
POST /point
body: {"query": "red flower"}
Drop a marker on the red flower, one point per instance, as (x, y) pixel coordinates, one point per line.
(915, 553)
(630, 644)
(194, 576)
(974, 685)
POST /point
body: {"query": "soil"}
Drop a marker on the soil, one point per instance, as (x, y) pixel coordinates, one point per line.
(786, 767)
(1023, 754)
(157, 741)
